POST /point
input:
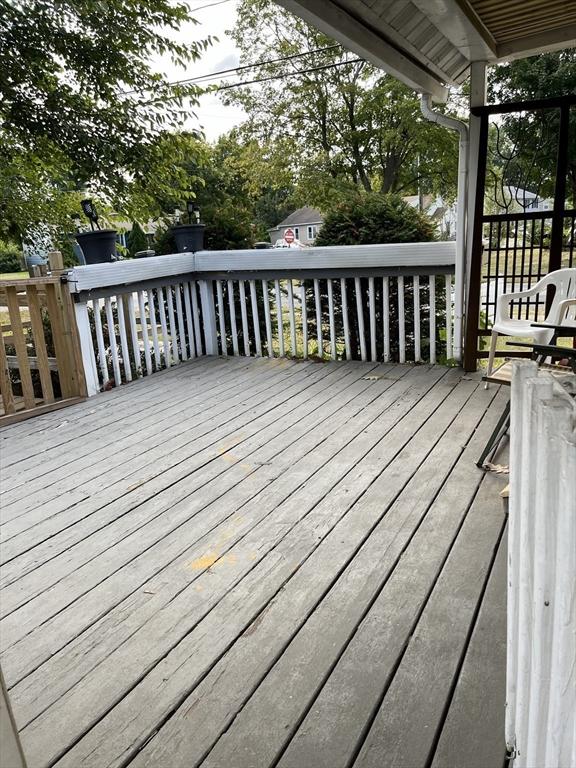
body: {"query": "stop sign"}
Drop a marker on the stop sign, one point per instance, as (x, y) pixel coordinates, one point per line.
(289, 236)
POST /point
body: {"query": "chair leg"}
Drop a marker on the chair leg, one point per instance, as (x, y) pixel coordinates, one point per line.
(493, 342)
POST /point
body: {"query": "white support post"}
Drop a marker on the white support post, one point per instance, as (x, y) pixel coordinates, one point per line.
(208, 316)
(11, 754)
(87, 348)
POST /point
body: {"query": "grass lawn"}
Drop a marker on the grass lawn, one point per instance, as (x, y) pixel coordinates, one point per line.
(13, 275)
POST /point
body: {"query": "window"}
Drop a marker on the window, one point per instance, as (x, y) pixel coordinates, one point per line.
(312, 231)
(297, 233)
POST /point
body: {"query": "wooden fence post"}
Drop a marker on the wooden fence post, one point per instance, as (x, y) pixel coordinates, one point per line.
(209, 316)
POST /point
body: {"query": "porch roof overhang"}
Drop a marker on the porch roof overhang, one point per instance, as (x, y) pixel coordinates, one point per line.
(430, 44)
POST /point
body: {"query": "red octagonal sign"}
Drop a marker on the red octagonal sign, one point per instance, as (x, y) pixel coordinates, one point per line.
(289, 236)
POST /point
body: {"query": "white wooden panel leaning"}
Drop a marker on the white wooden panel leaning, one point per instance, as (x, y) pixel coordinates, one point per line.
(142, 316)
(541, 643)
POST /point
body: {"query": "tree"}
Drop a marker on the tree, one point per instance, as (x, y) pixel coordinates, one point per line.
(531, 139)
(136, 240)
(348, 125)
(79, 100)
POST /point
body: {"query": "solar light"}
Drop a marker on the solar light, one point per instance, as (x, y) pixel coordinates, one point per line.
(193, 212)
(90, 212)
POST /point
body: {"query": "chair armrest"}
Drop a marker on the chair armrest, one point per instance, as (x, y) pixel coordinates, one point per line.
(563, 308)
(503, 301)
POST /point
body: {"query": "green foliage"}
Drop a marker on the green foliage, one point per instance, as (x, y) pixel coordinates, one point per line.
(227, 227)
(345, 124)
(533, 135)
(374, 218)
(363, 219)
(9, 258)
(164, 242)
(136, 240)
(81, 104)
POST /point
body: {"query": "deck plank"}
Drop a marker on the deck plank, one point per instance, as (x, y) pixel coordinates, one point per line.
(302, 663)
(87, 452)
(294, 531)
(233, 424)
(223, 523)
(293, 538)
(411, 714)
(174, 490)
(19, 461)
(480, 695)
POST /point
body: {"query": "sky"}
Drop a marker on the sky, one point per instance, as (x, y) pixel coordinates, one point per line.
(212, 115)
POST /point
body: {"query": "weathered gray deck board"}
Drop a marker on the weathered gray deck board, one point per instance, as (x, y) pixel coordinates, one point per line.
(265, 579)
(480, 695)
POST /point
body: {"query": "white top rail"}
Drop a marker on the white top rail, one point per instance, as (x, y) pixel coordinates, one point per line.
(391, 255)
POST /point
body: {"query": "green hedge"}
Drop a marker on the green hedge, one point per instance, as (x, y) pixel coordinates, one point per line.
(9, 259)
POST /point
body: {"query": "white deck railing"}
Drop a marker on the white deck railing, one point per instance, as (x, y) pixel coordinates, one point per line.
(541, 663)
(374, 302)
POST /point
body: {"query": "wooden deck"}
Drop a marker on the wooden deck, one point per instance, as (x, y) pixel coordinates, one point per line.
(258, 563)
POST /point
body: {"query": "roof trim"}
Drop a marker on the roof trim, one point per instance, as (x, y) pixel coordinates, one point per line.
(553, 40)
(343, 27)
(461, 26)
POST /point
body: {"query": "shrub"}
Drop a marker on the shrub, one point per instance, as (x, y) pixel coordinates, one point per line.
(362, 219)
(9, 259)
(136, 240)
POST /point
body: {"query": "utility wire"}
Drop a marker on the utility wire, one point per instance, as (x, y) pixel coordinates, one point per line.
(209, 5)
(253, 66)
(244, 67)
(289, 74)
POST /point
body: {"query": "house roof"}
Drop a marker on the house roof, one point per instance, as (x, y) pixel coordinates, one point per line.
(430, 44)
(305, 215)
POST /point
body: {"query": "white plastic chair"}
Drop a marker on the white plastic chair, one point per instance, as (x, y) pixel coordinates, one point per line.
(564, 281)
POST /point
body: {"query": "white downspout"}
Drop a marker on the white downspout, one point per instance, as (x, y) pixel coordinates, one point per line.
(460, 272)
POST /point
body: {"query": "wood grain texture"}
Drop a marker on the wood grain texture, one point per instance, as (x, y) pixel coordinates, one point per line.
(280, 551)
(480, 694)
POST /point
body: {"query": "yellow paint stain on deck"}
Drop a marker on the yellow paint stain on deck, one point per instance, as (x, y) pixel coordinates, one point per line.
(201, 563)
(211, 559)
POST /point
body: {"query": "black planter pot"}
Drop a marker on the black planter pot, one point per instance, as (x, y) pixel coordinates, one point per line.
(98, 247)
(189, 237)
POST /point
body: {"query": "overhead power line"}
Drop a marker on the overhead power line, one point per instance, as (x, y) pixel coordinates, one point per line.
(244, 67)
(288, 74)
(209, 5)
(256, 64)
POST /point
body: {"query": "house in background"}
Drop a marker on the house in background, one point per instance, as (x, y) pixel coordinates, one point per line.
(442, 213)
(304, 222)
(515, 199)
